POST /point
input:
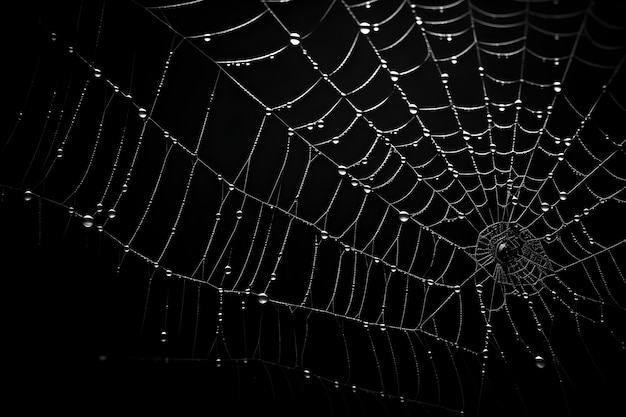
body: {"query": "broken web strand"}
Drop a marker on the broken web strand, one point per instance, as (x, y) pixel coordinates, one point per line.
(58, 154)
(146, 116)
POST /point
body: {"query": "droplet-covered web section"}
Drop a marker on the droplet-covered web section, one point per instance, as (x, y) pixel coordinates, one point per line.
(514, 259)
(413, 202)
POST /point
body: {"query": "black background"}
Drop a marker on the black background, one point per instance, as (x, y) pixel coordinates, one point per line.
(74, 324)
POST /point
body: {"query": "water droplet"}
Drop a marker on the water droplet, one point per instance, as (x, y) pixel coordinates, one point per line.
(207, 38)
(557, 86)
(367, 188)
(99, 207)
(307, 374)
(163, 336)
(540, 362)
(457, 289)
(168, 273)
(294, 38)
(430, 281)
(324, 235)
(239, 214)
(142, 112)
(59, 153)
(354, 182)
(227, 270)
(394, 75)
(413, 108)
(111, 213)
(97, 73)
(563, 196)
(273, 276)
(28, 195)
(262, 298)
(545, 206)
(365, 28)
(404, 216)
(87, 221)
(444, 77)
(53, 36)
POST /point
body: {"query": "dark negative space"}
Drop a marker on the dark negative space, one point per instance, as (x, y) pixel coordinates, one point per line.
(314, 208)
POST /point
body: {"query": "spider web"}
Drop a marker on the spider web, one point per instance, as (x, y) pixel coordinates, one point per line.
(428, 194)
